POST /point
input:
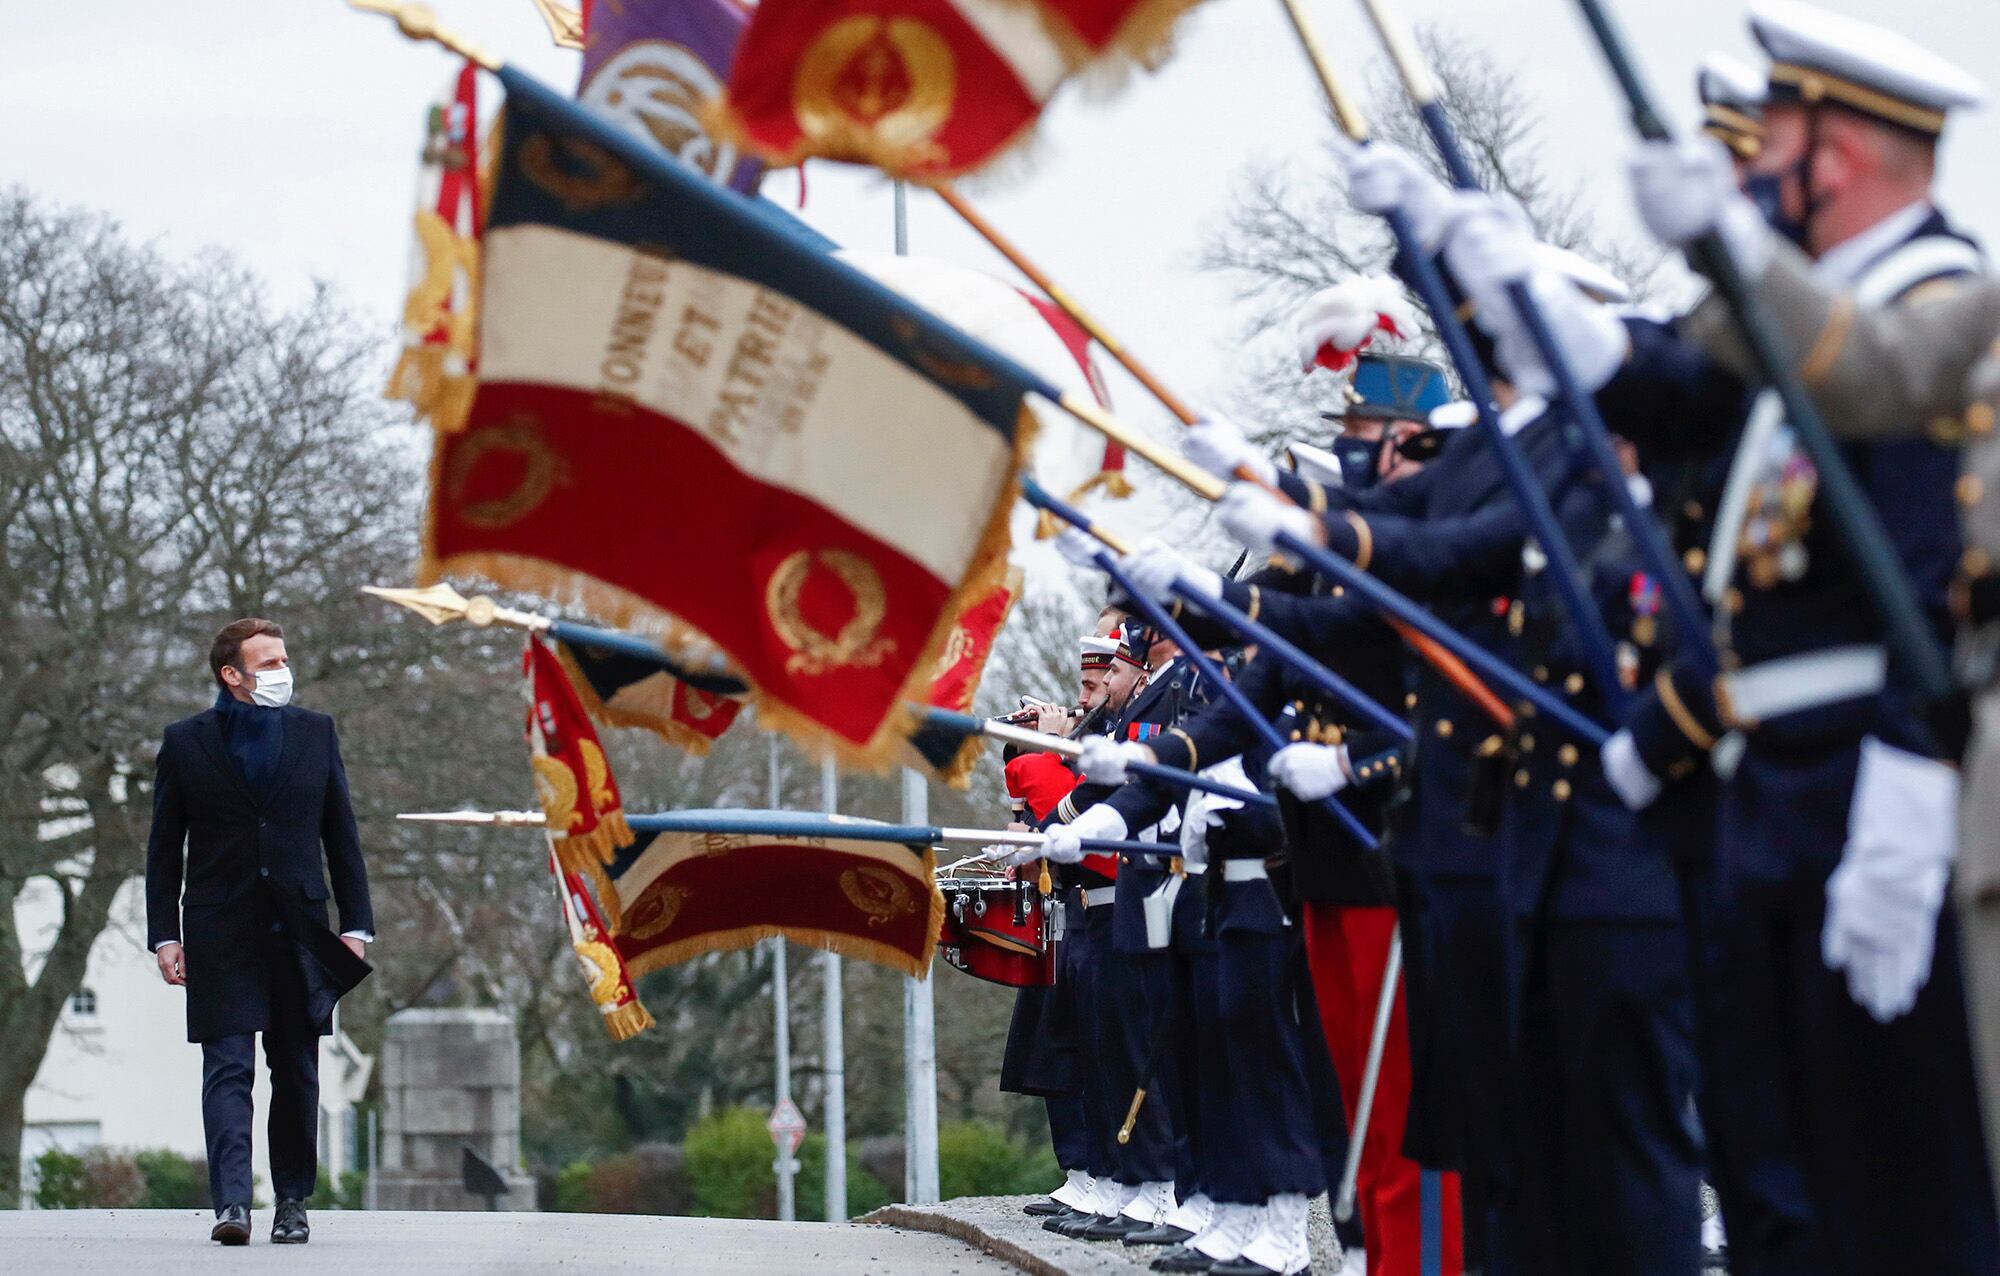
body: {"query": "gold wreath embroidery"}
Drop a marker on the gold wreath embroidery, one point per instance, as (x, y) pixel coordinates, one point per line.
(600, 966)
(585, 178)
(542, 472)
(956, 648)
(447, 255)
(597, 776)
(876, 892)
(889, 81)
(555, 785)
(655, 912)
(857, 643)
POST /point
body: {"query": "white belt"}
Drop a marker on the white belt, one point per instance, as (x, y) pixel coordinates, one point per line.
(1099, 896)
(1244, 871)
(1796, 683)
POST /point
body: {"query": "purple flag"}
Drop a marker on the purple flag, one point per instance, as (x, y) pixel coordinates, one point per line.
(650, 64)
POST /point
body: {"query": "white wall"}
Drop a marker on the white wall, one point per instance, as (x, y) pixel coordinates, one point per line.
(127, 1076)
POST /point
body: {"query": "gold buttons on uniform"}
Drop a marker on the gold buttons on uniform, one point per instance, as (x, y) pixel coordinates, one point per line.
(1975, 562)
(1573, 683)
(1410, 700)
(1541, 673)
(1567, 755)
(1521, 779)
(1527, 744)
(1444, 728)
(1970, 490)
(1979, 419)
(1696, 559)
(1561, 790)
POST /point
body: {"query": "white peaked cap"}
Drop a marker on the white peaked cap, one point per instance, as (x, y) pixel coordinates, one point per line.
(1819, 56)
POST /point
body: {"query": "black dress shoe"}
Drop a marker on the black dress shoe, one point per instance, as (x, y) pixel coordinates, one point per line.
(1162, 1234)
(232, 1225)
(1047, 1207)
(291, 1228)
(1183, 1258)
(1074, 1227)
(1113, 1229)
(1054, 1223)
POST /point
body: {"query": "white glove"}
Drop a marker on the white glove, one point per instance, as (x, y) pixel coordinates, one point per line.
(1103, 760)
(1310, 771)
(1686, 188)
(1205, 810)
(1154, 568)
(1064, 843)
(1882, 901)
(1488, 245)
(1627, 775)
(1078, 547)
(1382, 178)
(1256, 517)
(1335, 323)
(1217, 445)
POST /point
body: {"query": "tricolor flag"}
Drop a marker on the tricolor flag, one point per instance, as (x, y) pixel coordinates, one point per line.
(678, 895)
(923, 88)
(596, 948)
(622, 690)
(573, 780)
(651, 65)
(688, 409)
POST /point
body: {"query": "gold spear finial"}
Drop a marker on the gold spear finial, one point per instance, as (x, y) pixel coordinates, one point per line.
(440, 603)
(419, 22)
(565, 23)
(485, 819)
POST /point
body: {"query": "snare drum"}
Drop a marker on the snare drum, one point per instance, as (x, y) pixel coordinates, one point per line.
(998, 931)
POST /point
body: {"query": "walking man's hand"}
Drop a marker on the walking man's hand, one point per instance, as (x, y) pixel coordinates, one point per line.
(359, 947)
(173, 964)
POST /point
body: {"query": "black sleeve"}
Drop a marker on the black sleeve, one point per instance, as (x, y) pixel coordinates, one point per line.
(342, 841)
(1671, 399)
(165, 852)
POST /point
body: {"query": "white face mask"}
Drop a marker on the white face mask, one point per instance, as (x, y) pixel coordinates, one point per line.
(273, 687)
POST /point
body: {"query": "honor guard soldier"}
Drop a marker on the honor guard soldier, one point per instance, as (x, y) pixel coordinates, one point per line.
(1050, 1043)
(1135, 981)
(1833, 831)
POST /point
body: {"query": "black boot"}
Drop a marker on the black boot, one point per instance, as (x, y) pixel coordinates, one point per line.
(291, 1227)
(232, 1225)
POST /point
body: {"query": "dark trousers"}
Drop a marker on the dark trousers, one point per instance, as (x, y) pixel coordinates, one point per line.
(1887, 1114)
(1471, 957)
(1069, 1131)
(1135, 995)
(1086, 952)
(1256, 1105)
(1608, 1062)
(228, 1068)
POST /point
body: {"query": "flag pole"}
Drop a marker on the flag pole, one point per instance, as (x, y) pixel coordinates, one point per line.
(920, 1112)
(786, 1165)
(833, 1041)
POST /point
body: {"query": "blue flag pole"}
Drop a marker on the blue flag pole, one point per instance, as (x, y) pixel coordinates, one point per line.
(1157, 616)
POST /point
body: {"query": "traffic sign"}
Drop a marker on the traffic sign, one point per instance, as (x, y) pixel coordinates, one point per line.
(787, 1126)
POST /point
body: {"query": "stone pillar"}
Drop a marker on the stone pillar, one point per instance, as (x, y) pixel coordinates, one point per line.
(450, 1077)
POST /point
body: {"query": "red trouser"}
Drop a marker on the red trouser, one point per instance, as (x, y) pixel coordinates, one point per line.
(1348, 950)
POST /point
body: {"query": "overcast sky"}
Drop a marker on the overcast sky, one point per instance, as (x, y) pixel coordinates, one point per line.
(287, 134)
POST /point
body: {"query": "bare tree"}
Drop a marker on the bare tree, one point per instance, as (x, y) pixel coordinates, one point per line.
(1292, 230)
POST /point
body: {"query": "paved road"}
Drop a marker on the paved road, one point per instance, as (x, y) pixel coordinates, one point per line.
(145, 1242)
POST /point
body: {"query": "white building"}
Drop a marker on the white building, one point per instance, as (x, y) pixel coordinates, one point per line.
(120, 1070)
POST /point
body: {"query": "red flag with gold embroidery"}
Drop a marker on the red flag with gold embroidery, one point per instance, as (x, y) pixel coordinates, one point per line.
(586, 818)
(604, 967)
(922, 88)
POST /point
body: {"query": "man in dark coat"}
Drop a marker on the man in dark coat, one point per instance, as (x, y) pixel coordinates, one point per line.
(246, 795)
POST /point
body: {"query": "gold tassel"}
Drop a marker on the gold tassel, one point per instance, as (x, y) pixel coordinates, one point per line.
(628, 1021)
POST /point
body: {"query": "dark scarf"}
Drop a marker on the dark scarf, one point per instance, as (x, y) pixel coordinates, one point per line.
(254, 735)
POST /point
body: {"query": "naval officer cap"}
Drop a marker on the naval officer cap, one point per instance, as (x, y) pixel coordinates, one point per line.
(1818, 56)
(1732, 101)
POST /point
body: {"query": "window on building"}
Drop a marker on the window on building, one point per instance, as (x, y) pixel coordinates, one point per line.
(83, 1003)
